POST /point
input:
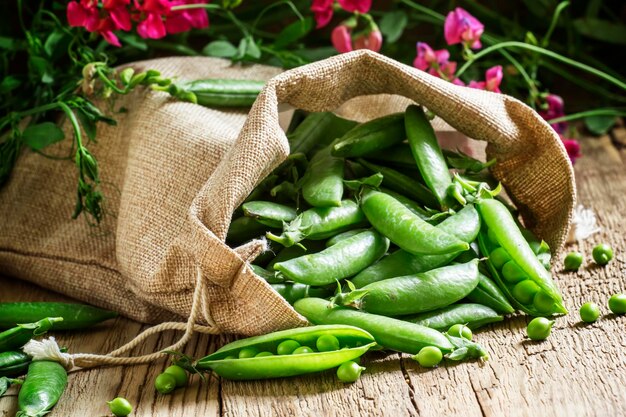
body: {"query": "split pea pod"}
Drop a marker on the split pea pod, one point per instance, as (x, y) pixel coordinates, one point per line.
(403, 184)
(230, 362)
(372, 136)
(470, 315)
(16, 337)
(513, 263)
(465, 225)
(269, 213)
(421, 292)
(341, 260)
(318, 129)
(13, 363)
(75, 316)
(405, 229)
(489, 294)
(42, 389)
(390, 333)
(322, 184)
(427, 154)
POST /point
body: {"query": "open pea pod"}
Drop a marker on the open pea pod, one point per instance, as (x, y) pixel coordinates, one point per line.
(16, 337)
(353, 343)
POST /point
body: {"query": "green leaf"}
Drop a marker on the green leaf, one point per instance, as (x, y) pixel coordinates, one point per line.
(7, 43)
(9, 83)
(393, 24)
(41, 135)
(53, 43)
(133, 40)
(601, 30)
(293, 32)
(42, 68)
(5, 383)
(222, 49)
(248, 49)
(599, 125)
(88, 124)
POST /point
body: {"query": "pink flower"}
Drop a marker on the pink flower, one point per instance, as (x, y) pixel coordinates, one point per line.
(573, 148)
(322, 11)
(372, 41)
(493, 78)
(427, 57)
(555, 109)
(462, 27)
(341, 38)
(118, 11)
(113, 16)
(153, 11)
(184, 20)
(361, 6)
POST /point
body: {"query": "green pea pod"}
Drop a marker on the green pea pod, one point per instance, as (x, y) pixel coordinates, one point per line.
(403, 184)
(390, 333)
(268, 276)
(75, 316)
(320, 223)
(427, 154)
(420, 212)
(342, 260)
(487, 293)
(465, 225)
(224, 93)
(290, 252)
(244, 229)
(13, 363)
(322, 184)
(269, 213)
(499, 223)
(421, 292)
(353, 342)
(42, 389)
(343, 236)
(471, 315)
(372, 136)
(318, 130)
(397, 157)
(405, 229)
(294, 291)
(16, 337)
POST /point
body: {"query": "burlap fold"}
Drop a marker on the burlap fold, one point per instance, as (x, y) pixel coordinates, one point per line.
(175, 172)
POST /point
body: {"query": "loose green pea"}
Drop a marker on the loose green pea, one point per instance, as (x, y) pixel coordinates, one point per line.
(617, 303)
(249, 352)
(165, 383)
(573, 261)
(287, 347)
(460, 330)
(301, 350)
(349, 371)
(589, 312)
(539, 328)
(179, 374)
(602, 254)
(512, 272)
(263, 354)
(543, 302)
(499, 257)
(230, 357)
(327, 343)
(429, 356)
(120, 407)
(525, 291)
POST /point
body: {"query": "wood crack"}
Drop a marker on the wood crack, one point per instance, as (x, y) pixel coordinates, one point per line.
(407, 379)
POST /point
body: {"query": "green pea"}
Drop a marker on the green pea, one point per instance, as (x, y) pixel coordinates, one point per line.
(573, 261)
(525, 291)
(499, 257)
(543, 302)
(120, 407)
(460, 330)
(263, 354)
(617, 303)
(429, 356)
(230, 357)
(539, 328)
(179, 374)
(249, 352)
(301, 350)
(602, 254)
(287, 347)
(165, 383)
(492, 237)
(349, 371)
(535, 246)
(327, 343)
(589, 312)
(512, 272)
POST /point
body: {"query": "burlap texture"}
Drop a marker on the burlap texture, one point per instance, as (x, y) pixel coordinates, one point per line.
(175, 172)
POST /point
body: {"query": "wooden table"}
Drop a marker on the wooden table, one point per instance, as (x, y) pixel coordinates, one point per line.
(579, 371)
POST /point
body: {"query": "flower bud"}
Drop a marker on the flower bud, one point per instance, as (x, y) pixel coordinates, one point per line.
(126, 75)
(341, 39)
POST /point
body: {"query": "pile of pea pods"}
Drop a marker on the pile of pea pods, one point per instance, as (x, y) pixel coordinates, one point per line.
(374, 226)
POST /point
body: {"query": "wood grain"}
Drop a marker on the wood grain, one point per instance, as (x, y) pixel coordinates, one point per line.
(579, 371)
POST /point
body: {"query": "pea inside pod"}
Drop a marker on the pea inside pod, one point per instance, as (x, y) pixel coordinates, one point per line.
(353, 342)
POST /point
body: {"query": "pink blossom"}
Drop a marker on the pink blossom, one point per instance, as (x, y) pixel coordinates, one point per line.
(361, 6)
(118, 11)
(153, 12)
(113, 16)
(556, 108)
(372, 41)
(573, 148)
(462, 27)
(493, 78)
(341, 38)
(322, 11)
(184, 20)
(427, 57)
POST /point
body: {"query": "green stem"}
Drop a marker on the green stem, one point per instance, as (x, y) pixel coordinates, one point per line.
(110, 83)
(196, 6)
(588, 113)
(555, 18)
(72, 117)
(537, 49)
(424, 10)
(273, 5)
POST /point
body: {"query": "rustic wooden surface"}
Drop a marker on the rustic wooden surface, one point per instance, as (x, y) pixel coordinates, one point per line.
(579, 371)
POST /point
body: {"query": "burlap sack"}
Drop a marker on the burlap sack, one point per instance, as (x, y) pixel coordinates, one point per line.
(175, 172)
